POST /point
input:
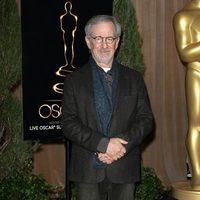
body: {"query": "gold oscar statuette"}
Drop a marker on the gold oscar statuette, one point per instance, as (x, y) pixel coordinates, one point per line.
(186, 25)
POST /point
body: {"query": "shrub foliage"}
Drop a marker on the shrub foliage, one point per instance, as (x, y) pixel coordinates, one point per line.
(14, 152)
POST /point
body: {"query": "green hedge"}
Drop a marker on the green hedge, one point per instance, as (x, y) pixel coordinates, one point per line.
(27, 186)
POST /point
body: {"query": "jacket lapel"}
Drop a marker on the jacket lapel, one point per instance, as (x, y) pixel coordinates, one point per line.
(122, 88)
(88, 85)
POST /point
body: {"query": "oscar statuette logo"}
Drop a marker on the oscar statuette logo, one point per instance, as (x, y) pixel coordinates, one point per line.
(68, 25)
(51, 109)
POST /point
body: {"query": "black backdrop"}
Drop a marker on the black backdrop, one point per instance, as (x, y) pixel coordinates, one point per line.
(44, 53)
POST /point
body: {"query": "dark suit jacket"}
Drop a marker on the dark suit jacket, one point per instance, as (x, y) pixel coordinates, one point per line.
(132, 120)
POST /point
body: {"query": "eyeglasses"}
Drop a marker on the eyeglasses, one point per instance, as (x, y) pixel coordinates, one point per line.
(100, 39)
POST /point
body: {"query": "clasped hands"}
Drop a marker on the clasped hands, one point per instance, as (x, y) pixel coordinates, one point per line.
(115, 151)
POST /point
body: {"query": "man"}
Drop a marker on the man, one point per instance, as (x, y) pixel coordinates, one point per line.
(106, 115)
(187, 35)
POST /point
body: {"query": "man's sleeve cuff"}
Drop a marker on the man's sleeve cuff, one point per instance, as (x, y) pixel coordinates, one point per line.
(103, 144)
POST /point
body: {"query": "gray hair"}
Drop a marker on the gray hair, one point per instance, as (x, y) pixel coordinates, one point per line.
(103, 18)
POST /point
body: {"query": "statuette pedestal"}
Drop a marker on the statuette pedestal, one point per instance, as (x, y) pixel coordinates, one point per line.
(182, 190)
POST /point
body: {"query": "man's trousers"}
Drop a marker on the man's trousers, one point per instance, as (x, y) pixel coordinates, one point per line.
(105, 191)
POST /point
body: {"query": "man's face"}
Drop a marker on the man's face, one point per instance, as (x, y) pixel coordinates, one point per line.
(103, 43)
